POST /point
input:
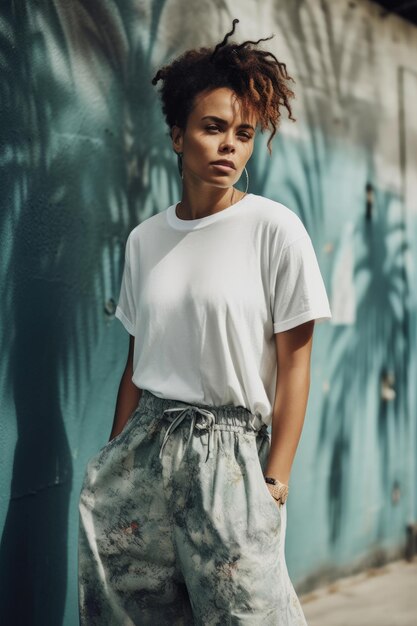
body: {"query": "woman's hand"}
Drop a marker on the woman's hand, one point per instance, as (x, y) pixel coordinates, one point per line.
(279, 491)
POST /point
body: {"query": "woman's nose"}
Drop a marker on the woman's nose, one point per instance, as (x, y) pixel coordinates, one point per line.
(227, 146)
(228, 142)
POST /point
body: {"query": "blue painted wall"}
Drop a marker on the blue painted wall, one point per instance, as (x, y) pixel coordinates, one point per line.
(85, 156)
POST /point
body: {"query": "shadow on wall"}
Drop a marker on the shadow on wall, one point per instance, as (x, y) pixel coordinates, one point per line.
(361, 354)
(369, 358)
(72, 182)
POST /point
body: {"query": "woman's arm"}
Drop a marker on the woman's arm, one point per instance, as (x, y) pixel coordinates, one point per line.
(128, 395)
(291, 394)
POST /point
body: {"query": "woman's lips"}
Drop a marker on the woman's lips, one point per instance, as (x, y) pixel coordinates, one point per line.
(222, 167)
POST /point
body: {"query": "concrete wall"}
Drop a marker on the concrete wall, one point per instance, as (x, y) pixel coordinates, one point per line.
(85, 156)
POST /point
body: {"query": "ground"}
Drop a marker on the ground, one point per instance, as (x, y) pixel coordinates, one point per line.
(385, 596)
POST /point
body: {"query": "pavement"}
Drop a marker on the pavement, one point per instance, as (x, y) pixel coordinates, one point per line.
(383, 596)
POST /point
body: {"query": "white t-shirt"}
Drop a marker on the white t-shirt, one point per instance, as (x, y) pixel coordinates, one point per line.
(204, 297)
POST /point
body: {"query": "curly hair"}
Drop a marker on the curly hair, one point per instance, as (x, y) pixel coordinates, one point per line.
(256, 76)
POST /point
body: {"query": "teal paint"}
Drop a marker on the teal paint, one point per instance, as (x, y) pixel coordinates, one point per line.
(85, 156)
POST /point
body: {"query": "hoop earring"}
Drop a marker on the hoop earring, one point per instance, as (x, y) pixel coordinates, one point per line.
(247, 179)
(179, 163)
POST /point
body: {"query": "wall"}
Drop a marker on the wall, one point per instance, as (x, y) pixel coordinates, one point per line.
(85, 156)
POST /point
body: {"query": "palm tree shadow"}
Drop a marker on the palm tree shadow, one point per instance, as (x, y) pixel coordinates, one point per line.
(34, 533)
(366, 355)
(34, 541)
(70, 182)
(377, 344)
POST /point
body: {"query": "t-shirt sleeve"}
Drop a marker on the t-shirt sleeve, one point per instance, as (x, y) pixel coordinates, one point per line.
(298, 294)
(125, 309)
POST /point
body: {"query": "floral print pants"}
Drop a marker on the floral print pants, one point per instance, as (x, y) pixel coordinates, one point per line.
(177, 526)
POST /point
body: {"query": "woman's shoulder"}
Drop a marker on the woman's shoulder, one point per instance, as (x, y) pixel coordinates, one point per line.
(145, 225)
(278, 218)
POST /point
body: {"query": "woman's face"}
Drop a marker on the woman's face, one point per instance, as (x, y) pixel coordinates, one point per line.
(215, 131)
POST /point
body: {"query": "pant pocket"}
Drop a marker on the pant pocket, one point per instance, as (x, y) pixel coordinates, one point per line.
(251, 454)
(260, 447)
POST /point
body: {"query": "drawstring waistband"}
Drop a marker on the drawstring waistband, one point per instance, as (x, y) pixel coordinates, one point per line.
(209, 424)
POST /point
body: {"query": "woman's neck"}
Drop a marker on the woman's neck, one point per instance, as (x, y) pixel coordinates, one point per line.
(188, 210)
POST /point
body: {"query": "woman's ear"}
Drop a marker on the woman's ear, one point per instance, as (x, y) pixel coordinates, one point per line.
(176, 136)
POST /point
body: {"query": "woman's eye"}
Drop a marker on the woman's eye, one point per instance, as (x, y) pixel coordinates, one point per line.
(211, 127)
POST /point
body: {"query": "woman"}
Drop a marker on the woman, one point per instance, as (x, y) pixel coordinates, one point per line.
(220, 292)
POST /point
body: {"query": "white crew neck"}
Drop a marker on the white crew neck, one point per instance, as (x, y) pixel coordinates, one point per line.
(179, 224)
